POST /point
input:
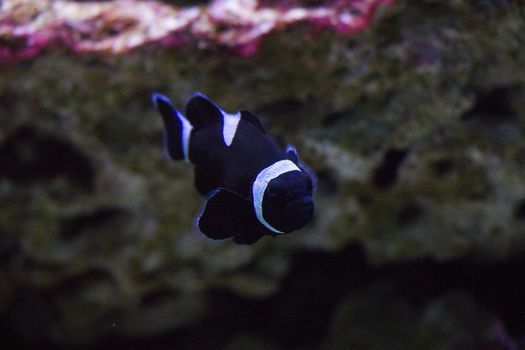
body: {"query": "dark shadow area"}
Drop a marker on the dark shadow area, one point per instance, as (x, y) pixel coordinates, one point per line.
(300, 315)
(409, 213)
(29, 155)
(519, 210)
(385, 175)
(443, 167)
(493, 106)
(89, 222)
(335, 118)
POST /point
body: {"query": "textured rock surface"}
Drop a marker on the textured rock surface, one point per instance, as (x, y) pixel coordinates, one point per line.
(414, 126)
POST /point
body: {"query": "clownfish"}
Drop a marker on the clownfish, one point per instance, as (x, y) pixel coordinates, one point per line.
(252, 187)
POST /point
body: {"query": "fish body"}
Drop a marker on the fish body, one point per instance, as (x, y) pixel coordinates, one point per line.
(252, 186)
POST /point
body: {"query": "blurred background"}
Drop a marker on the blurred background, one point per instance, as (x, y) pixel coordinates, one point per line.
(411, 113)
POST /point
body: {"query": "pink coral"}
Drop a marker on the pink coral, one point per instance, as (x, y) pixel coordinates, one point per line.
(29, 26)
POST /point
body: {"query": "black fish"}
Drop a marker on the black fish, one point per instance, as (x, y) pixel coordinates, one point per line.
(252, 186)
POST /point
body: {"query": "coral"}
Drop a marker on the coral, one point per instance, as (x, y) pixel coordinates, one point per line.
(114, 27)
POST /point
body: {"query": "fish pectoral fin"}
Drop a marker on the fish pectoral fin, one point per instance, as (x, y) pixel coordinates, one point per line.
(202, 112)
(224, 214)
(252, 119)
(248, 237)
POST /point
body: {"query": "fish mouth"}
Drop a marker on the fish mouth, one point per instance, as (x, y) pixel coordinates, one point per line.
(296, 214)
(303, 202)
(301, 209)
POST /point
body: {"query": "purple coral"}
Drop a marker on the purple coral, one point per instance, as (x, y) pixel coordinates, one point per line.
(27, 27)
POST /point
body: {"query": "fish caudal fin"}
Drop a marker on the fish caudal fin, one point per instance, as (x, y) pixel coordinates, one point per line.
(177, 129)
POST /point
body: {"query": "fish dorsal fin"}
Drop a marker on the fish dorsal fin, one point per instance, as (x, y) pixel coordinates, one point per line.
(291, 154)
(202, 112)
(252, 119)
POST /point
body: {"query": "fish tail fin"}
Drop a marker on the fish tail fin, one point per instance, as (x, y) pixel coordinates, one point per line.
(177, 129)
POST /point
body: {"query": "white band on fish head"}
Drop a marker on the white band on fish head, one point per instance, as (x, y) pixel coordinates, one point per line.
(261, 182)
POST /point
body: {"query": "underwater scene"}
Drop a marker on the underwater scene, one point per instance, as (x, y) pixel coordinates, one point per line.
(262, 174)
